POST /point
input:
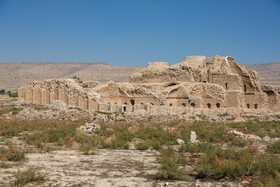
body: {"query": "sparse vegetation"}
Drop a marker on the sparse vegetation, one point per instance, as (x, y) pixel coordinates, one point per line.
(2, 92)
(274, 148)
(238, 161)
(142, 146)
(16, 110)
(139, 165)
(27, 176)
(12, 153)
(4, 165)
(13, 94)
(170, 162)
(78, 79)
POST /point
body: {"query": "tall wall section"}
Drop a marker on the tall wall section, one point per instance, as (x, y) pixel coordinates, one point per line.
(66, 90)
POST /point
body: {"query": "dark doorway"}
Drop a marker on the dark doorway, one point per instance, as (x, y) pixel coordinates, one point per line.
(132, 102)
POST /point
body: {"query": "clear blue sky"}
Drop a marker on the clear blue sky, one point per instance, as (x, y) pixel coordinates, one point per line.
(134, 32)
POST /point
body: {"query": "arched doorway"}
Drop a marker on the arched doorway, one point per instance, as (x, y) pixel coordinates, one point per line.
(132, 102)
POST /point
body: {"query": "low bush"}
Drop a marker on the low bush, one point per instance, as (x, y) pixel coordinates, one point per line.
(228, 163)
(12, 153)
(169, 169)
(27, 176)
(142, 146)
(139, 165)
(59, 134)
(156, 133)
(12, 94)
(196, 148)
(88, 149)
(4, 165)
(274, 148)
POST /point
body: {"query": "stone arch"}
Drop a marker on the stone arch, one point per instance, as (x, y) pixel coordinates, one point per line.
(173, 93)
(218, 105)
(132, 102)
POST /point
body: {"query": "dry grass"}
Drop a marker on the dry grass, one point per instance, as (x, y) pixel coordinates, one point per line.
(238, 162)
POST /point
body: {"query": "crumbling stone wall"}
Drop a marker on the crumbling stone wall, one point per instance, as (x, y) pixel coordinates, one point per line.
(197, 82)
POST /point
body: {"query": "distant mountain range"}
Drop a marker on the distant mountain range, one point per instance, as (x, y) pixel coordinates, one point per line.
(15, 75)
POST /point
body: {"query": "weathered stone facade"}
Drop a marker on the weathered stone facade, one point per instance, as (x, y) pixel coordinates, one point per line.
(197, 82)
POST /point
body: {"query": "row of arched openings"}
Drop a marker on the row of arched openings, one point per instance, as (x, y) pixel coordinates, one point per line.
(218, 105)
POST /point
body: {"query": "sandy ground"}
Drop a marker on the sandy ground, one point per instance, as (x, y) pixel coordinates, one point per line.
(106, 168)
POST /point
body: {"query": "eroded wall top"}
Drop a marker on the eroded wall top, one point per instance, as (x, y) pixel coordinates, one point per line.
(219, 70)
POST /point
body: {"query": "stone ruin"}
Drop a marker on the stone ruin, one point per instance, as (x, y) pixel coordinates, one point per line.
(197, 83)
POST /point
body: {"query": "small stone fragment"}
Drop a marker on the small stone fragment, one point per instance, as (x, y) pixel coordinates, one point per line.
(180, 141)
(193, 137)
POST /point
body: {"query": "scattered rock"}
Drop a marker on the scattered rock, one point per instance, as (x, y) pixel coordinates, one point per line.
(180, 141)
(245, 136)
(193, 137)
(266, 138)
(89, 127)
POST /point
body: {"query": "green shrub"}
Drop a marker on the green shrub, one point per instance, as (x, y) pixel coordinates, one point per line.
(77, 78)
(59, 134)
(27, 176)
(12, 153)
(12, 94)
(88, 149)
(139, 165)
(142, 146)
(266, 170)
(196, 148)
(228, 163)
(4, 165)
(169, 169)
(156, 132)
(16, 110)
(2, 92)
(116, 144)
(274, 148)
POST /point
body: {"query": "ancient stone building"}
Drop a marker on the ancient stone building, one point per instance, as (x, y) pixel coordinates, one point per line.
(197, 82)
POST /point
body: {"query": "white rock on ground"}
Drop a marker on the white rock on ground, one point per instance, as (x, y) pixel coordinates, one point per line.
(89, 127)
(245, 136)
(193, 138)
(180, 141)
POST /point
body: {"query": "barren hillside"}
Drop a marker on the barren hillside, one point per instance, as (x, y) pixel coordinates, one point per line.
(15, 75)
(269, 72)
